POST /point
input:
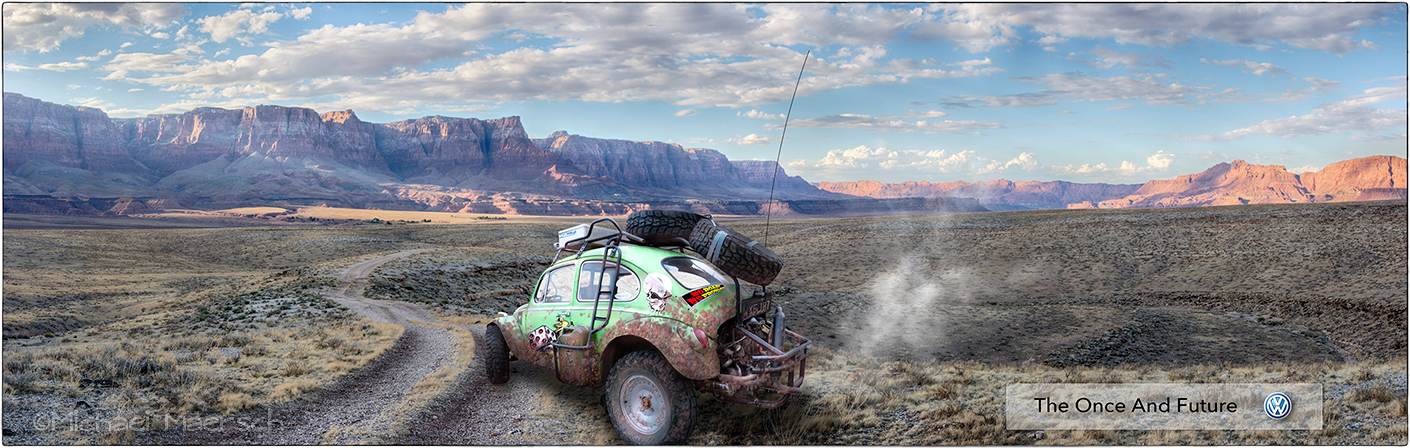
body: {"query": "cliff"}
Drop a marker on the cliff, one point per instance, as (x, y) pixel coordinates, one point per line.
(276, 155)
(1239, 182)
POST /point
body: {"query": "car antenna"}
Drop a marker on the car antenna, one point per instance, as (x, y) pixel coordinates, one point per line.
(768, 214)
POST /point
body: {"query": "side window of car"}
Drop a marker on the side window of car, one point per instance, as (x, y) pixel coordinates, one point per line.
(556, 286)
(627, 284)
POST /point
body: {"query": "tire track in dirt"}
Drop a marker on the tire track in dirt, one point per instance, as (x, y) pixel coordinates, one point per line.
(360, 408)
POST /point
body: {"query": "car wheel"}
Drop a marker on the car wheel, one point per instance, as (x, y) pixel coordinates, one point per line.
(650, 403)
(496, 356)
(736, 254)
(662, 227)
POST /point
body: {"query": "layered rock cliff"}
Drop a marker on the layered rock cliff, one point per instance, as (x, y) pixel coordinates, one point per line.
(1239, 182)
(270, 155)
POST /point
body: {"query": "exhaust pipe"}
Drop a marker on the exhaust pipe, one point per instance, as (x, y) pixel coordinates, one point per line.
(777, 331)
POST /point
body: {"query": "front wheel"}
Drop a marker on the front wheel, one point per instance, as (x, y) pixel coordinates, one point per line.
(496, 356)
(650, 403)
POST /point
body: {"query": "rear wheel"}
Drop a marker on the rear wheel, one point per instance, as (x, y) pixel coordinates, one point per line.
(649, 402)
(496, 356)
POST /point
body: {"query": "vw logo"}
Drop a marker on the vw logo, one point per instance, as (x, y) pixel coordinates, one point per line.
(1277, 405)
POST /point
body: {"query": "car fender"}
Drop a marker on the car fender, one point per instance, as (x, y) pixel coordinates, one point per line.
(509, 327)
(676, 340)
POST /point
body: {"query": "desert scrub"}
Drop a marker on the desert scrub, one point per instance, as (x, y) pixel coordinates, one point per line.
(471, 280)
(200, 374)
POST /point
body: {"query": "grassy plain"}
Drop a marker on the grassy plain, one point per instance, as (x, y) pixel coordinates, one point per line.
(208, 321)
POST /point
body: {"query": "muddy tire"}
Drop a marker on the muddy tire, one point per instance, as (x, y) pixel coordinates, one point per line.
(736, 254)
(662, 227)
(649, 402)
(496, 356)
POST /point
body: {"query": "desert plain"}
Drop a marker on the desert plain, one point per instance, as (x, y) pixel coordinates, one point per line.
(273, 327)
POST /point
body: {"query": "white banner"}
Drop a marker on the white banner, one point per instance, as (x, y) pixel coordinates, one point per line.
(1163, 406)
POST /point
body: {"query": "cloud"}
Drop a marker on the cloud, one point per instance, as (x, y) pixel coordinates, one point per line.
(1323, 27)
(1256, 68)
(43, 26)
(91, 102)
(234, 23)
(301, 14)
(756, 114)
(63, 66)
(697, 55)
(1352, 115)
(1318, 86)
(1133, 61)
(1305, 169)
(687, 113)
(1077, 88)
(896, 123)
(752, 139)
(864, 159)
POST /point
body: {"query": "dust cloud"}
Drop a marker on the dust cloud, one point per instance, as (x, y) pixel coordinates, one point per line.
(905, 308)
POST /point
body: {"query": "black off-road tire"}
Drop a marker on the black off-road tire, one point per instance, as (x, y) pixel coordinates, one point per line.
(662, 227)
(648, 373)
(737, 255)
(496, 356)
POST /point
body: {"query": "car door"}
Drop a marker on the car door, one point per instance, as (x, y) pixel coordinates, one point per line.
(540, 322)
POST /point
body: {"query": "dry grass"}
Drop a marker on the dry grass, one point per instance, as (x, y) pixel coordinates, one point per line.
(853, 400)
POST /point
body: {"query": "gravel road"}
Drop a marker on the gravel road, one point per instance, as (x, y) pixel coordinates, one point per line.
(364, 407)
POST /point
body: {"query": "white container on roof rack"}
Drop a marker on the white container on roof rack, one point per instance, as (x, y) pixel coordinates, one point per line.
(569, 238)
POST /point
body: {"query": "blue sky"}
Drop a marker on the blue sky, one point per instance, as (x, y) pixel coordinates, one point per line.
(1119, 93)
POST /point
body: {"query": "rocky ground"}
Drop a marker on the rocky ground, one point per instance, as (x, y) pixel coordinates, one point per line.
(951, 307)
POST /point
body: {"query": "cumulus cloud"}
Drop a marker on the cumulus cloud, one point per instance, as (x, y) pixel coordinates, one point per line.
(863, 158)
(301, 14)
(234, 23)
(752, 139)
(706, 55)
(687, 113)
(43, 26)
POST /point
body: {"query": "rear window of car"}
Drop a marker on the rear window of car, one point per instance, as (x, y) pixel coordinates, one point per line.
(692, 273)
(627, 284)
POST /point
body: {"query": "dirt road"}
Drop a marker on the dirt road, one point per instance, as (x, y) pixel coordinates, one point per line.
(376, 404)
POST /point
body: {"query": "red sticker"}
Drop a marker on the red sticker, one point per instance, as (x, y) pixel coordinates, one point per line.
(696, 296)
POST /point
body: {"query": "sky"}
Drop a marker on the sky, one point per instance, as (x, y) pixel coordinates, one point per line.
(1083, 92)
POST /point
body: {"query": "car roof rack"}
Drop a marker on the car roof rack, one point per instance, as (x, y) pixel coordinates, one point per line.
(583, 237)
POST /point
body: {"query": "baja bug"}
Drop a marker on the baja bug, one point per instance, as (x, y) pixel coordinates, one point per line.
(632, 310)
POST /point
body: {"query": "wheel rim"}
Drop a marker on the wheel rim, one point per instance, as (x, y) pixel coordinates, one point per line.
(646, 408)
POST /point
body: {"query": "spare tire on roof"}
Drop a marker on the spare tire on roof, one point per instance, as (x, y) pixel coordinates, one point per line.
(662, 227)
(736, 254)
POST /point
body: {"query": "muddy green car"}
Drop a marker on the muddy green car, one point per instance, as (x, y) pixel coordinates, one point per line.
(655, 322)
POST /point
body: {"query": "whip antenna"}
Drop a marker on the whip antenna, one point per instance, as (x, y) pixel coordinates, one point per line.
(768, 214)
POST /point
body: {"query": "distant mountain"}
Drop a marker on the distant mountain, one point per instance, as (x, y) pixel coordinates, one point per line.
(1364, 179)
(211, 158)
(218, 158)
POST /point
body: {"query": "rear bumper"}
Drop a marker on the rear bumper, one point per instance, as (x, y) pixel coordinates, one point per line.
(768, 376)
